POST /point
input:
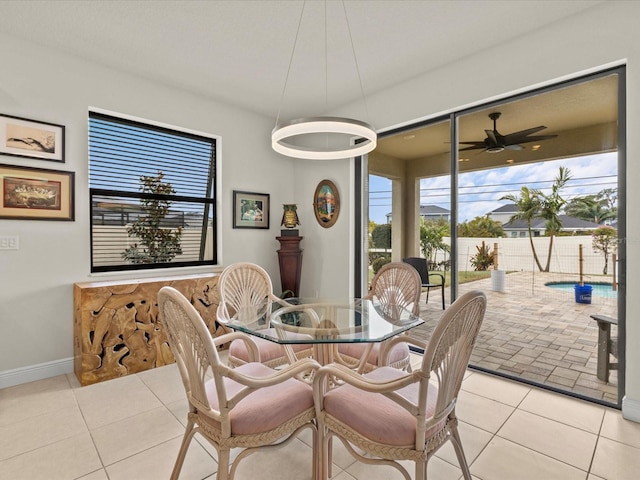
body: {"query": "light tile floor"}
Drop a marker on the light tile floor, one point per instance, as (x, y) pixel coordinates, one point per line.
(131, 428)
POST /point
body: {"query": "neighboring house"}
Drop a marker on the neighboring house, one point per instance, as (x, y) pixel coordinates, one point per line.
(504, 213)
(430, 212)
(519, 228)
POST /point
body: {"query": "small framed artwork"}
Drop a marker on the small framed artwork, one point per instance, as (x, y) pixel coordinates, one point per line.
(36, 194)
(21, 137)
(250, 210)
(326, 203)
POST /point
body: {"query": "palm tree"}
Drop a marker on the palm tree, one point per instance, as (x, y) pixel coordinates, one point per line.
(528, 207)
(590, 207)
(550, 206)
(432, 233)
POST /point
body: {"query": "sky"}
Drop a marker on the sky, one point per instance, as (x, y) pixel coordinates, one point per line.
(479, 192)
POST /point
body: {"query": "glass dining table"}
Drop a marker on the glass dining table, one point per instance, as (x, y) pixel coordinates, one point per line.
(327, 323)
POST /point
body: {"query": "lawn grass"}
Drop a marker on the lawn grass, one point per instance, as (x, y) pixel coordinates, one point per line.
(463, 277)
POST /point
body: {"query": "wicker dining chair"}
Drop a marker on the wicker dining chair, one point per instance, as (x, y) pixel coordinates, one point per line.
(396, 284)
(246, 295)
(391, 415)
(248, 407)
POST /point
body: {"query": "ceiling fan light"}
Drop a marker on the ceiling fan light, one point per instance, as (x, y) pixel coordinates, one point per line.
(495, 149)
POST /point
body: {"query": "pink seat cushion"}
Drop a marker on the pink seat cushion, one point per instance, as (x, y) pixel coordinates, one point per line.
(356, 350)
(268, 350)
(266, 408)
(375, 416)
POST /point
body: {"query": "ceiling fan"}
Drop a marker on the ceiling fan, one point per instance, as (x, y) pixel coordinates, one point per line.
(496, 142)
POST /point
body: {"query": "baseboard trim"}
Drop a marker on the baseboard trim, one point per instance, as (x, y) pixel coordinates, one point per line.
(631, 409)
(31, 373)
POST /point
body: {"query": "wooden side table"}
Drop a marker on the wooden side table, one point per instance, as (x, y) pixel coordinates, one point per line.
(290, 261)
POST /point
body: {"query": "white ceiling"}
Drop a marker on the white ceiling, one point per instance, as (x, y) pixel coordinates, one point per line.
(239, 51)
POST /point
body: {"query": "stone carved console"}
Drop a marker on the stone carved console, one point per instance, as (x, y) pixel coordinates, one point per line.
(116, 329)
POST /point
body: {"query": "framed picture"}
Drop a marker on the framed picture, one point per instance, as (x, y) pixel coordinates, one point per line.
(250, 210)
(36, 194)
(21, 137)
(326, 203)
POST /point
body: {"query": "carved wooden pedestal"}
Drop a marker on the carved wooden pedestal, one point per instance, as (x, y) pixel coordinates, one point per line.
(116, 329)
(290, 261)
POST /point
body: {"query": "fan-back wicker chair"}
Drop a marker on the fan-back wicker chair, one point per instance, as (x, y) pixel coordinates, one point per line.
(420, 264)
(249, 407)
(246, 295)
(392, 415)
(395, 284)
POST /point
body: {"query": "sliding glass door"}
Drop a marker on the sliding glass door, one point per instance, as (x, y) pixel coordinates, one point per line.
(529, 208)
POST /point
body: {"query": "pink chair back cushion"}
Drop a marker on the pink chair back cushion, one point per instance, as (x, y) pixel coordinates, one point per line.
(266, 408)
(268, 350)
(375, 416)
(355, 350)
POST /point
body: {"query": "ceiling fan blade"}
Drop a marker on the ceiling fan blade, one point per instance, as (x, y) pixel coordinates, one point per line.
(476, 146)
(537, 138)
(491, 135)
(515, 136)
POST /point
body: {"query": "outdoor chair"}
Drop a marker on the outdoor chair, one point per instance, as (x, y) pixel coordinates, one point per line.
(246, 295)
(420, 264)
(395, 284)
(389, 415)
(248, 407)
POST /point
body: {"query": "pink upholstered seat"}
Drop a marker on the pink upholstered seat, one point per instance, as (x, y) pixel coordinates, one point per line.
(285, 401)
(393, 424)
(271, 353)
(249, 407)
(398, 356)
(391, 415)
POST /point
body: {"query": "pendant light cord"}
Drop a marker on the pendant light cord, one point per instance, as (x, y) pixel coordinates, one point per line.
(326, 61)
(293, 51)
(355, 60)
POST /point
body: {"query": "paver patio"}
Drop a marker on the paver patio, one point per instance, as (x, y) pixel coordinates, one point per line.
(536, 333)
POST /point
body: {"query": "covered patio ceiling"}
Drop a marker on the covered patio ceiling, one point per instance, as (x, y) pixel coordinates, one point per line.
(584, 116)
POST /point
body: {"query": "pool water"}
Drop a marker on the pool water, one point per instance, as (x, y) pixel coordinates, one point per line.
(598, 289)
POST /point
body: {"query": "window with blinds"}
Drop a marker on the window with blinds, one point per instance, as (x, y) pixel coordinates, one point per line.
(152, 192)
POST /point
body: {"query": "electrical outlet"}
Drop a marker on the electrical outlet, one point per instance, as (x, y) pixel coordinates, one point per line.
(9, 242)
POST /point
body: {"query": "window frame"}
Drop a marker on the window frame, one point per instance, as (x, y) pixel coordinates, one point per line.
(209, 203)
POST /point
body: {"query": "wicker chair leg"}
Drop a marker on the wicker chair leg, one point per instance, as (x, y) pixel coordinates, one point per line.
(324, 463)
(223, 464)
(184, 446)
(457, 446)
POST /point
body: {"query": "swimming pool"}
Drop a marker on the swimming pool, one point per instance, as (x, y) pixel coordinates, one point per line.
(598, 289)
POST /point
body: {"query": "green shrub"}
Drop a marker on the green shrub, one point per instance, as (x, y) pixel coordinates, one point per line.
(379, 262)
(483, 259)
